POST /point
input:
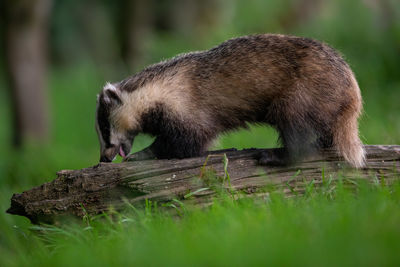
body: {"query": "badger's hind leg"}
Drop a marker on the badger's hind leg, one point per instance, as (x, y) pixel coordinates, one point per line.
(299, 139)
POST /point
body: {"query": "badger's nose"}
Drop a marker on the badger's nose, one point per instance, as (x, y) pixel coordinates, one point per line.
(109, 154)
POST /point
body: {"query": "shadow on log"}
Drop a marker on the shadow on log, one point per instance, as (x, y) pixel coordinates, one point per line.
(94, 190)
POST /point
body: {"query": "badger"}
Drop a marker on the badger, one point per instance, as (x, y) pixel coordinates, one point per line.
(301, 87)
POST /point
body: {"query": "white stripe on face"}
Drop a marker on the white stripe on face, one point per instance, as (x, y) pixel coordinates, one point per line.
(110, 87)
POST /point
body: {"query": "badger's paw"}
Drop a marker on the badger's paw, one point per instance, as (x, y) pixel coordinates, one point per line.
(145, 154)
(269, 158)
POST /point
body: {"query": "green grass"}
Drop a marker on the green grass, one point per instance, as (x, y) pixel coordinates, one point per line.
(347, 229)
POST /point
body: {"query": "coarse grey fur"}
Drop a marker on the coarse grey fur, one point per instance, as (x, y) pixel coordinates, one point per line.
(301, 87)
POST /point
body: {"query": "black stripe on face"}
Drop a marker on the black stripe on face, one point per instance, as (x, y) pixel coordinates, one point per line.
(103, 115)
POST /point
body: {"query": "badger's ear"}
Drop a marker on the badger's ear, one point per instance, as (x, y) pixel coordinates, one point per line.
(111, 95)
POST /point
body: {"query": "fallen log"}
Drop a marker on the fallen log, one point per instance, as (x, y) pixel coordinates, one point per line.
(110, 185)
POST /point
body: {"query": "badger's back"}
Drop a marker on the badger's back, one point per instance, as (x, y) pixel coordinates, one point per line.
(252, 78)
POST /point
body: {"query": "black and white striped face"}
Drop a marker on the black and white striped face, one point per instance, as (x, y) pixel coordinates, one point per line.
(113, 140)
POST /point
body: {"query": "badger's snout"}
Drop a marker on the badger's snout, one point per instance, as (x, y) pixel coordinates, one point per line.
(109, 154)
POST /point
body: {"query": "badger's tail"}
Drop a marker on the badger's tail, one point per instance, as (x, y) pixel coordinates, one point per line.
(347, 142)
(345, 136)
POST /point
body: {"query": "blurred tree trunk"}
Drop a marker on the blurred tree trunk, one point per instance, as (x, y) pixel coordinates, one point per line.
(195, 18)
(300, 12)
(100, 39)
(25, 32)
(136, 26)
(385, 11)
(387, 21)
(116, 34)
(140, 18)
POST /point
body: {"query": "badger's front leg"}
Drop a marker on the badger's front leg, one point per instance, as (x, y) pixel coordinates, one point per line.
(179, 145)
(144, 154)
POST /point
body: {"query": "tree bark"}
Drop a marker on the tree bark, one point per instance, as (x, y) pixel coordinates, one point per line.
(26, 29)
(196, 180)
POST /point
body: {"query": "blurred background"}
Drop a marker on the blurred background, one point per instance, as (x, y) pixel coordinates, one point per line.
(57, 55)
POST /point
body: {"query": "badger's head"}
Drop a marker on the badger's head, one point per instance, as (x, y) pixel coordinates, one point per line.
(114, 137)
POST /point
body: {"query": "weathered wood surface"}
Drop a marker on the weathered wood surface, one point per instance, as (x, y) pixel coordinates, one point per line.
(96, 189)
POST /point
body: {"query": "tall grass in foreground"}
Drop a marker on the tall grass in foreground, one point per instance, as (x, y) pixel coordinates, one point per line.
(346, 227)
